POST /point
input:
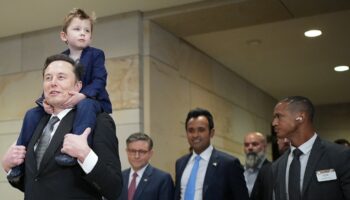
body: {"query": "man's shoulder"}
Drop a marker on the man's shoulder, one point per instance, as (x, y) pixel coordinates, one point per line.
(184, 157)
(223, 155)
(93, 50)
(103, 116)
(159, 172)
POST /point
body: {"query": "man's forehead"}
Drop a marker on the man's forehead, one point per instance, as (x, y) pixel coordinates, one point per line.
(60, 65)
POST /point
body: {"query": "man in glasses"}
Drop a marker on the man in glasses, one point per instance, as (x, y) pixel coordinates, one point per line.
(143, 181)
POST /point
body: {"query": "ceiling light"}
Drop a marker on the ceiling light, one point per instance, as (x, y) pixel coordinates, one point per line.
(313, 33)
(341, 68)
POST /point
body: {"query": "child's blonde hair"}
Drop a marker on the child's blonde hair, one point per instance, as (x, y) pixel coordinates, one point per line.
(77, 13)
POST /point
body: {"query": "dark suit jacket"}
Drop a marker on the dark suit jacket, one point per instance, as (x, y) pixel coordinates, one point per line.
(95, 76)
(154, 185)
(224, 179)
(261, 189)
(324, 155)
(52, 181)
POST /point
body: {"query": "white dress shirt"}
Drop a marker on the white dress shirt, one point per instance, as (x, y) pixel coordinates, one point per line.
(91, 159)
(203, 165)
(306, 149)
(139, 175)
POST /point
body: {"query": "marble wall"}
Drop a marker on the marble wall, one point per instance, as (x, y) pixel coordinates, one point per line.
(178, 78)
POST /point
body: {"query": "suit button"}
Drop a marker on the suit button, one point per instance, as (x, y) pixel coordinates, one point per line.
(36, 179)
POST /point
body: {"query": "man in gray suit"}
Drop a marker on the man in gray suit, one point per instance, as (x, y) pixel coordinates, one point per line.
(313, 169)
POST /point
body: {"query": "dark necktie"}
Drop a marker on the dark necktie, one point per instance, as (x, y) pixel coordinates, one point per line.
(294, 176)
(132, 187)
(44, 140)
(191, 183)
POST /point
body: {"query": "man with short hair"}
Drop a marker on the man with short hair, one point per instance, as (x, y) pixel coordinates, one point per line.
(143, 181)
(206, 173)
(98, 173)
(255, 150)
(312, 168)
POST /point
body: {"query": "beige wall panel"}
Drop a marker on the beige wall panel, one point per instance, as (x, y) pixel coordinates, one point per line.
(9, 192)
(169, 104)
(10, 127)
(260, 103)
(19, 92)
(123, 82)
(196, 67)
(164, 46)
(230, 86)
(37, 46)
(10, 55)
(119, 35)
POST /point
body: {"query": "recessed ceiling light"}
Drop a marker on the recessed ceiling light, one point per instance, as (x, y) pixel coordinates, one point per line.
(313, 33)
(341, 68)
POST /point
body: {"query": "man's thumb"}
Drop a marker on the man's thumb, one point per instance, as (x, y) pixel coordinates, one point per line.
(87, 132)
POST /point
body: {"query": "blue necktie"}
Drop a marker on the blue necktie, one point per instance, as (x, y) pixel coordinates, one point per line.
(191, 184)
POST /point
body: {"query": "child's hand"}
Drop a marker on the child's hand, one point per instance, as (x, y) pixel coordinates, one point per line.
(75, 98)
(47, 107)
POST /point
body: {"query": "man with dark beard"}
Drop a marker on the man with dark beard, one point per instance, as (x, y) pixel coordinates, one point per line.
(254, 149)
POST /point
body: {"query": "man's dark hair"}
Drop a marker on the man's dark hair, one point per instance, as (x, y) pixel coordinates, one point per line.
(342, 142)
(300, 104)
(77, 68)
(194, 113)
(140, 137)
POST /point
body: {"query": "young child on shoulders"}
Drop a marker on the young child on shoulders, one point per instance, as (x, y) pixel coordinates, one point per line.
(93, 97)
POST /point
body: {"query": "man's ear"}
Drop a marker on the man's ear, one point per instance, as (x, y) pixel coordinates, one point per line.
(63, 36)
(212, 132)
(78, 86)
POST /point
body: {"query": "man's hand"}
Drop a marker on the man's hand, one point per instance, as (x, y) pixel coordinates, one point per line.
(75, 98)
(13, 157)
(76, 145)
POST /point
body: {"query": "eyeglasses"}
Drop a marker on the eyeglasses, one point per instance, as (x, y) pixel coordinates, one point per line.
(133, 152)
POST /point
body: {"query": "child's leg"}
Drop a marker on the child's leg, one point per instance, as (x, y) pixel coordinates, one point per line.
(30, 122)
(85, 117)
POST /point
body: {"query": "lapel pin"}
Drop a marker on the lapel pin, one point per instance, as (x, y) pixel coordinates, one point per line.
(145, 180)
(215, 164)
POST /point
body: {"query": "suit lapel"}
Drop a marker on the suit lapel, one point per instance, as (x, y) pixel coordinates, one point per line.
(124, 194)
(143, 182)
(213, 164)
(30, 156)
(64, 127)
(316, 153)
(182, 166)
(280, 177)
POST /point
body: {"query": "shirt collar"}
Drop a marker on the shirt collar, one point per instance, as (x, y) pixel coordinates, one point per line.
(62, 114)
(307, 146)
(205, 155)
(139, 172)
